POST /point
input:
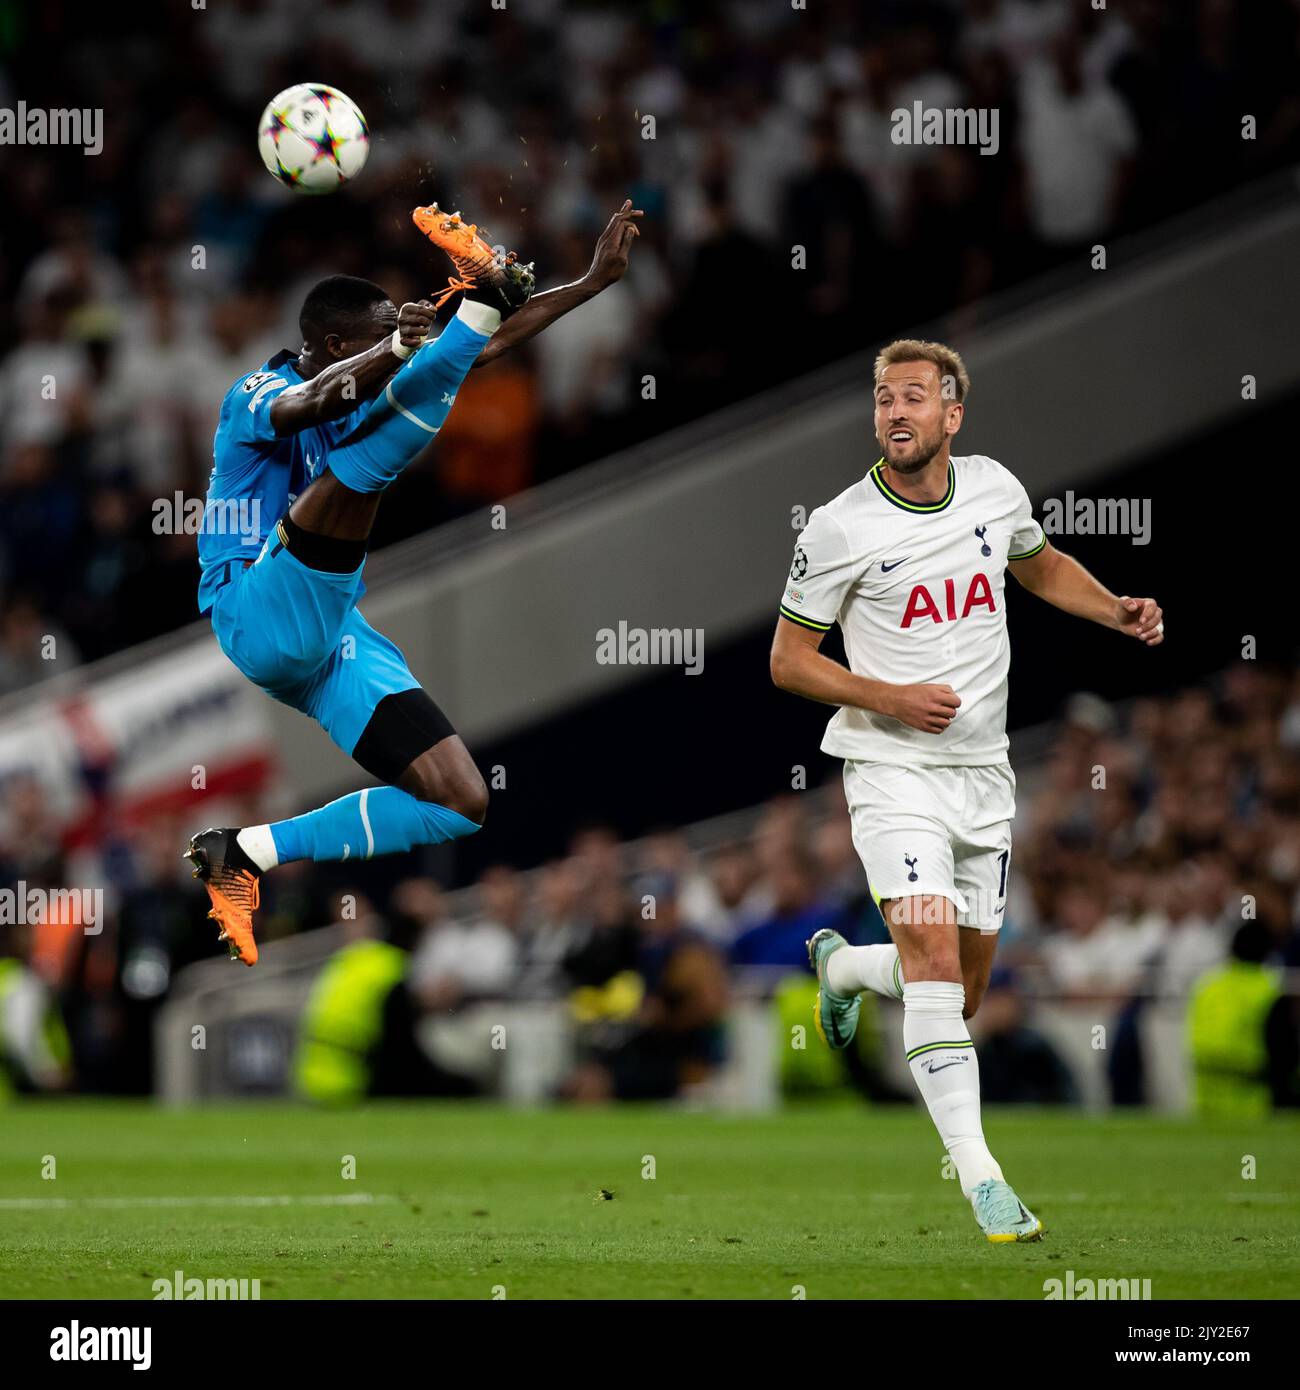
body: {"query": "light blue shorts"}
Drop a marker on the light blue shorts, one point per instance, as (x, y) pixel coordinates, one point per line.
(296, 633)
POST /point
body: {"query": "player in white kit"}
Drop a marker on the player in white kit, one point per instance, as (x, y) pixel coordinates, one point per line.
(911, 561)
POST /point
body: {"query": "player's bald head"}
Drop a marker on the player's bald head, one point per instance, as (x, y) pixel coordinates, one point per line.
(347, 308)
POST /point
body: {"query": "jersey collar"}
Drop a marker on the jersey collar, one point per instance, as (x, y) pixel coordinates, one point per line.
(286, 357)
(888, 493)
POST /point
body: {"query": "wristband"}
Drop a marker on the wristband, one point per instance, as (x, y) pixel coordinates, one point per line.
(399, 348)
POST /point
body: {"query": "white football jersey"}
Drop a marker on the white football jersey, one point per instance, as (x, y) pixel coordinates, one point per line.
(918, 592)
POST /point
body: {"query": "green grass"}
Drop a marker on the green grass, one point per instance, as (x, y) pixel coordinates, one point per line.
(846, 1201)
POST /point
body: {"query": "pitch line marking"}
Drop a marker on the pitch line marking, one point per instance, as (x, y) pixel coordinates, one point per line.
(351, 1199)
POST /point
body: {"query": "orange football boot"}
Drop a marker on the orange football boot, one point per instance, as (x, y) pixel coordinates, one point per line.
(233, 885)
(490, 276)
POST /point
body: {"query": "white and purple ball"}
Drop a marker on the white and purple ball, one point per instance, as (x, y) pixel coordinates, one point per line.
(313, 138)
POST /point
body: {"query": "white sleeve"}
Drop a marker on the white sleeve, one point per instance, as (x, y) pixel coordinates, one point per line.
(1027, 536)
(821, 574)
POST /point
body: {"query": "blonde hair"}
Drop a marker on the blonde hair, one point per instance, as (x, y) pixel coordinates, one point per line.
(954, 379)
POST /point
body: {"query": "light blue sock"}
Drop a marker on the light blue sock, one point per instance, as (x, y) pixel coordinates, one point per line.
(410, 410)
(379, 820)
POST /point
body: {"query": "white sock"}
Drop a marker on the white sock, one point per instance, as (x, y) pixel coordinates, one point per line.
(852, 969)
(482, 318)
(259, 844)
(946, 1070)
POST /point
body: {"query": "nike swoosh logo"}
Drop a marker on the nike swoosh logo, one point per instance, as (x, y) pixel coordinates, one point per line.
(946, 1065)
(884, 568)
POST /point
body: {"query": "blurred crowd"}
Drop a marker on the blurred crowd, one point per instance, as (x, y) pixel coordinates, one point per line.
(136, 285)
(1145, 844)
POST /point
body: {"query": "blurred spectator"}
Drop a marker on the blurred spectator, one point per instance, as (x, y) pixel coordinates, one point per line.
(1193, 938)
(32, 646)
(551, 932)
(580, 358)
(713, 367)
(603, 945)
(487, 448)
(35, 1053)
(674, 1041)
(1242, 1033)
(358, 1033)
(669, 852)
(1090, 955)
(45, 385)
(1078, 143)
(742, 893)
(1017, 1064)
(456, 960)
(829, 212)
(798, 910)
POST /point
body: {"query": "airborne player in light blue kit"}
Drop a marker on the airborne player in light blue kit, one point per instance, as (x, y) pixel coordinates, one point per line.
(293, 442)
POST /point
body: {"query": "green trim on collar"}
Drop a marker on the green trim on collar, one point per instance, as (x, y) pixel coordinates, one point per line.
(891, 496)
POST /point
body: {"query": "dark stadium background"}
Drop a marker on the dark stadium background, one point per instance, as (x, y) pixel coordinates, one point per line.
(1191, 71)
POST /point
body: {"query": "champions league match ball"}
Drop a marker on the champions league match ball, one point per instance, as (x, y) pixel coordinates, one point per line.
(313, 138)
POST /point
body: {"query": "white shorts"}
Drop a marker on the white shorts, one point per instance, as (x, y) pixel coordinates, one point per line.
(941, 831)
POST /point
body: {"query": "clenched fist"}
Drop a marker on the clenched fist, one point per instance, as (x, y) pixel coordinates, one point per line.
(414, 322)
(930, 708)
(1142, 618)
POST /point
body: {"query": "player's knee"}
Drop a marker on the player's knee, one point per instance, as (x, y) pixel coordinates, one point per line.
(461, 790)
(468, 796)
(939, 963)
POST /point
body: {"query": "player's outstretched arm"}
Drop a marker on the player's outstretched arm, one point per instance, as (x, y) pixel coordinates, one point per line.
(338, 389)
(1063, 582)
(798, 666)
(607, 266)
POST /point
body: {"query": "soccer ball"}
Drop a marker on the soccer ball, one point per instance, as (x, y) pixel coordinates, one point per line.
(313, 138)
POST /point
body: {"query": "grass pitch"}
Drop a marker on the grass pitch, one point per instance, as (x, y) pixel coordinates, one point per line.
(453, 1200)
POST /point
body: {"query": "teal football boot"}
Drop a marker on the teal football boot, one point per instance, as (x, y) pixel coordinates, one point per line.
(836, 1015)
(1002, 1216)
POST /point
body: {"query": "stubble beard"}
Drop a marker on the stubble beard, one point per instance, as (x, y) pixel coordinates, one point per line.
(926, 449)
